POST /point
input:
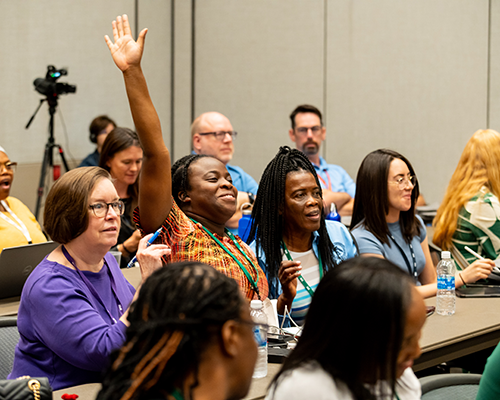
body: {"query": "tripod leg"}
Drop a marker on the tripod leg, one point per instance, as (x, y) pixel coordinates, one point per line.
(41, 184)
(63, 158)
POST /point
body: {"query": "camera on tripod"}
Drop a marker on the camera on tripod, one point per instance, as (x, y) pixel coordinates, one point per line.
(48, 85)
(51, 90)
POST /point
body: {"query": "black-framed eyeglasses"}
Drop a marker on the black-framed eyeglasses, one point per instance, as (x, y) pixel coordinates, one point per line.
(316, 130)
(220, 135)
(9, 166)
(403, 182)
(100, 210)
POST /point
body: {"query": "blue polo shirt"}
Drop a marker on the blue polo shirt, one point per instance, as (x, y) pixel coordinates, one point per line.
(242, 181)
(335, 176)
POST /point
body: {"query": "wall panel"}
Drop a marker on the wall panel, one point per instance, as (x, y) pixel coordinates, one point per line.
(254, 62)
(494, 95)
(409, 75)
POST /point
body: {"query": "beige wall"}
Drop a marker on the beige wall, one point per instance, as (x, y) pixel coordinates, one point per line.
(406, 74)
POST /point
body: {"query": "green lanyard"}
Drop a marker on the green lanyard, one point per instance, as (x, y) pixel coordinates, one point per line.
(247, 274)
(177, 395)
(301, 278)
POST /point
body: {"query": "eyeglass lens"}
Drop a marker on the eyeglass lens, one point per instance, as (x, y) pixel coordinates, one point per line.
(303, 130)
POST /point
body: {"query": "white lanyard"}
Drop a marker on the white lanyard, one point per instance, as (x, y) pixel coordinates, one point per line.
(17, 223)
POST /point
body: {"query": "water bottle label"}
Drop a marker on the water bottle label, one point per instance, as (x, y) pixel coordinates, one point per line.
(260, 336)
(446, 282)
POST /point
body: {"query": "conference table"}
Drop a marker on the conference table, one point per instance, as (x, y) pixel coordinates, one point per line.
(257, 390)
(474, 327)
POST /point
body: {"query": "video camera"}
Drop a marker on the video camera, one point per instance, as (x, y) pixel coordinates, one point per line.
(48, 85)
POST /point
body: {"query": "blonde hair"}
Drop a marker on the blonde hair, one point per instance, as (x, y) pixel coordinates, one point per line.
(479, 166)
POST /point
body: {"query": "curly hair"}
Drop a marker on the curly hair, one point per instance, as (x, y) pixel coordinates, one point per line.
(180, 310)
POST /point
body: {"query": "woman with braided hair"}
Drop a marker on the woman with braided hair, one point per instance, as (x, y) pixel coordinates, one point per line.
(190, 337)
(294, 243)
(205, 198)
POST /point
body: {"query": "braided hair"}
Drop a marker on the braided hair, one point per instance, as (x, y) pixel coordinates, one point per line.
(268, 221)
(180, 309)
(180, 175)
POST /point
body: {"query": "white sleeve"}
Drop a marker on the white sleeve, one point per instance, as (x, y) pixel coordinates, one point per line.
(308, 383)
(408, 386)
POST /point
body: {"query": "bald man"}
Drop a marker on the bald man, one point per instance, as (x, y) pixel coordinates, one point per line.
(213, 135)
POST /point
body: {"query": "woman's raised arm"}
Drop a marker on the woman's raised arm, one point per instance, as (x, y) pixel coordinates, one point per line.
(155, 182)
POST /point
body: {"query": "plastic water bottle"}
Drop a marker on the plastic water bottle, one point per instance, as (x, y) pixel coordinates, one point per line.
(445, 301)
(333, 215)
(245, 223)
(260, 333)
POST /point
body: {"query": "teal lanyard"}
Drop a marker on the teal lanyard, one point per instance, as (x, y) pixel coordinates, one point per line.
(177, 395)
(301, 278)
(231, 236)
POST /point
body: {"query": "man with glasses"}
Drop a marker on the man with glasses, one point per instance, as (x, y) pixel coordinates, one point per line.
(308, 133)
(213, 135)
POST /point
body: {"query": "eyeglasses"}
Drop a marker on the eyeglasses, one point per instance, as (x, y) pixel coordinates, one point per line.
(404, 182)
(220, 135)
(9, 166)
(316, 130)
(101, 209)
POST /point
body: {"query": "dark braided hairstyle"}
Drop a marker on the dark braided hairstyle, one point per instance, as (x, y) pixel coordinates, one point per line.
(268, 210)
(180, 310)
(180, 175)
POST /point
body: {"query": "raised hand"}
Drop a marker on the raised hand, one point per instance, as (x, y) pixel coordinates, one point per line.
(126, 52)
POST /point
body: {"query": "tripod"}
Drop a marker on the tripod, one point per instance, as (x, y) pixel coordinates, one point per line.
(48, 159)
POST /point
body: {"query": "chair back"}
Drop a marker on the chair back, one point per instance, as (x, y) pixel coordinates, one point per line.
(450, 386)
(9, 336)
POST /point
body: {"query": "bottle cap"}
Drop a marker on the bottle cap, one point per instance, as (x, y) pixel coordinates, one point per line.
(256, 305)
(445, 255)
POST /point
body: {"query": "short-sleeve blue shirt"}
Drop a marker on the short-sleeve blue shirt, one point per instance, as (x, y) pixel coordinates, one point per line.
(336, 176)
(345, 248)
(369, 244)
(242, 181)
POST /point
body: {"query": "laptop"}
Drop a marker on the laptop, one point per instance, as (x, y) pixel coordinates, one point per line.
(479, 290)
(16, 263)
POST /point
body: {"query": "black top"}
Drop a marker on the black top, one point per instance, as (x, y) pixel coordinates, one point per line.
(126, 230)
